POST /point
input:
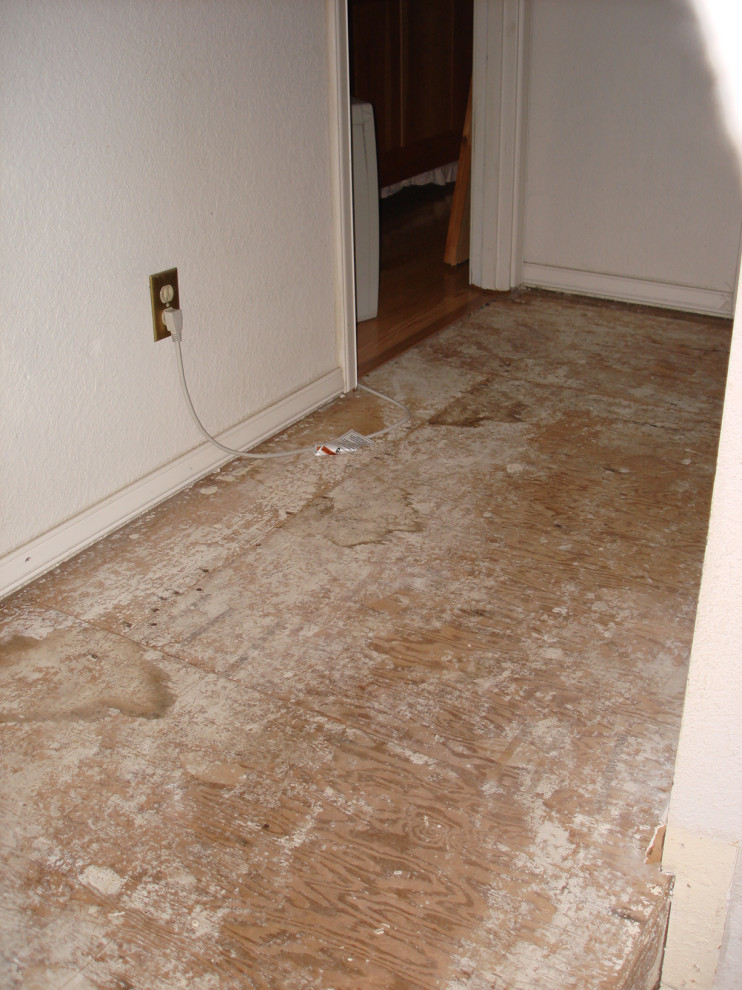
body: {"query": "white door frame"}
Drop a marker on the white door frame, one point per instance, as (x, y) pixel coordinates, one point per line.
(500, 72)
(342, 185)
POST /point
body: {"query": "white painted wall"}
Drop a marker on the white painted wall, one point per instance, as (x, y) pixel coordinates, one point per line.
(136, 135)
(631, 186)
(705, 817)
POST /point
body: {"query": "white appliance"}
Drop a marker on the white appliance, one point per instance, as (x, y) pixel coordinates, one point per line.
(365, 209)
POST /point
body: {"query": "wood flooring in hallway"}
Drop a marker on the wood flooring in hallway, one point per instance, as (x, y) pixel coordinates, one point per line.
(400, 719)
(418, 292)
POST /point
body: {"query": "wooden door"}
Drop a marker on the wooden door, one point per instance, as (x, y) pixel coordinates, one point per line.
(412, 59)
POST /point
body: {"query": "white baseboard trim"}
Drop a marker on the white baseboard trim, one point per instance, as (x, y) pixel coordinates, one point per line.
(40, 555)
(666, 294)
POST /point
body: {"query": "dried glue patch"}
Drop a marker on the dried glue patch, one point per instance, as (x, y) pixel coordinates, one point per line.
(78, 674)
(103, 879)
(224, 774)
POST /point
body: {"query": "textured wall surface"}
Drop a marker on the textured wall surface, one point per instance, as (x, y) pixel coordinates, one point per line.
(629, 170)
(707, 796)
(137, 136)
(706, 802)
(708, 793)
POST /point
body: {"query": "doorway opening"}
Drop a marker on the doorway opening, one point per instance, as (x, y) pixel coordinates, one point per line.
(418, 292)
(412, 61)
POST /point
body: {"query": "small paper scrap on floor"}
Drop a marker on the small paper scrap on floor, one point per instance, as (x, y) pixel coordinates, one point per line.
(345, 444)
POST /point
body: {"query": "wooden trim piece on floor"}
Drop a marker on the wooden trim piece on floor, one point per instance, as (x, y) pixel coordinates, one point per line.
(457, 241)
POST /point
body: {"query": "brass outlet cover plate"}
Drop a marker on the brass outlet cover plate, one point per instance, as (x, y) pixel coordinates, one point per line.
(158, 282)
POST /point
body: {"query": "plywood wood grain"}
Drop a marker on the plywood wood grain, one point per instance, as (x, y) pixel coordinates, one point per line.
(402, 720)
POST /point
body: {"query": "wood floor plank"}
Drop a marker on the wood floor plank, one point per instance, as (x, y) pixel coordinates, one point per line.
(419, 293)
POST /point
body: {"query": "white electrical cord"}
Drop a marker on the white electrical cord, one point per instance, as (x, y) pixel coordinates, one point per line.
(173, 320)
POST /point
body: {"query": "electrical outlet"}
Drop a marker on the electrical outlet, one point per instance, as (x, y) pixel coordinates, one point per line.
(163, 291)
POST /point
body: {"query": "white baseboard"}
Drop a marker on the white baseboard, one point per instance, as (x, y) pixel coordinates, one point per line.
(704, 868)
(33, 559)
(666, 294)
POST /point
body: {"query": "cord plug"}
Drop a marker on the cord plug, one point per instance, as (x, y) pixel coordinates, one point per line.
(173, 320)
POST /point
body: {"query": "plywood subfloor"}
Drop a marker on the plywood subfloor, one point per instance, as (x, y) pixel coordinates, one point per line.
(404, 719)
